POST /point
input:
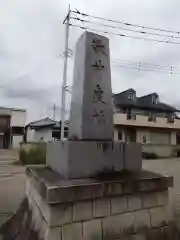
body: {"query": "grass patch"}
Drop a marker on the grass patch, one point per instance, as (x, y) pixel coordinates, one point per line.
(34, 156)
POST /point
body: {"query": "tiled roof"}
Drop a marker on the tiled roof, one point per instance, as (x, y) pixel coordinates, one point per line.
(144, 102)
(45, 122)
(42, 123)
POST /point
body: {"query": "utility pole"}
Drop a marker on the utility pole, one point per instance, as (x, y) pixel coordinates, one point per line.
(54, 112)
(66, 22)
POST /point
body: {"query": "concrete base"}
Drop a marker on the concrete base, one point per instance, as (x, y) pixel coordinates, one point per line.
(127, 206)
(79, 159)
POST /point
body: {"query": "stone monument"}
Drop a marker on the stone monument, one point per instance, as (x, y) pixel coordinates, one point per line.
(90, 148)
(82, 194)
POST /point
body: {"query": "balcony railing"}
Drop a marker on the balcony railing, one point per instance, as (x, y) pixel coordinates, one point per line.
(151, 118)
(170, 119)
(143, 121)
(131, 116)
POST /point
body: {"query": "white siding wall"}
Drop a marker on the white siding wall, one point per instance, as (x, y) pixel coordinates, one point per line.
(140, 134)
(152, 137)
(115, 134)
(45, 133)
(16, 140)
(160, 137)
(30, 135)
(173, 138)
(18, 118)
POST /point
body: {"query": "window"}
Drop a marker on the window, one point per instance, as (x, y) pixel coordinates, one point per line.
(144, 138)
(129, 114)
(119, 135)
(65, 132)
(56, 133)
(170, 118)
(152, 117)
(178, 138)
(154, 99)
(17, 130)
(131, 96)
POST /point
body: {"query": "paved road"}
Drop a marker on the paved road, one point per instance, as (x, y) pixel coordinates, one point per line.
(12, 185)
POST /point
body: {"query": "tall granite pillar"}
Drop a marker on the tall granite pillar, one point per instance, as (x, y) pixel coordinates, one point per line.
(91, 116)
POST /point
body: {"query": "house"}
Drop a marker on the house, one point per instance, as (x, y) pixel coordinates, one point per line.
(44, 129)
(12, 123)
(145, 119)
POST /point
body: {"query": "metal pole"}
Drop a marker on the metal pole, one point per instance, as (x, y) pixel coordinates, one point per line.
(66, 21)
(54, 111)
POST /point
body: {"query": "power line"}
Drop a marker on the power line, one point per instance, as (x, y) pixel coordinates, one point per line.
(139, 64)
(147, 69)
(124, 29)
(126, 23)
(124, 35)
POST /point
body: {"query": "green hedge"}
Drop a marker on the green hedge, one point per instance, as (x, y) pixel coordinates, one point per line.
(33, 156)
(152, 155)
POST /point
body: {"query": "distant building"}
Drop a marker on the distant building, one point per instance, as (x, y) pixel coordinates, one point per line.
(145, 119)
(12, 123)
(45, 130)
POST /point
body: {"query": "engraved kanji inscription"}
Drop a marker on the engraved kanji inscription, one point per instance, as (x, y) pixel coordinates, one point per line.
(98, 117)
(97, 43)
(98, 64)
(98, 95)
(98, 46)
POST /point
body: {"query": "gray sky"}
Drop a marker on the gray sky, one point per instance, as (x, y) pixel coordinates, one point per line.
(32, 38)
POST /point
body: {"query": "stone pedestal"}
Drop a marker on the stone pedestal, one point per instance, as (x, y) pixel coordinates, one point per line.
(79, 159)
(123, 206)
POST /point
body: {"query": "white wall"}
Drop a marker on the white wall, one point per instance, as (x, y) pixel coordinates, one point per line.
(140, 134)
(18, 118)
(16, 140)
(152, 137)
(45, 133)
(160, 137)
(30, 135)
(173, 138)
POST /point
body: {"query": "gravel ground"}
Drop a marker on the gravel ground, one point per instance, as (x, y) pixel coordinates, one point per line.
(12, 188)
(169, 167)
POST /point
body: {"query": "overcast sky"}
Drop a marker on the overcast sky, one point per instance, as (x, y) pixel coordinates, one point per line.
(32, 39)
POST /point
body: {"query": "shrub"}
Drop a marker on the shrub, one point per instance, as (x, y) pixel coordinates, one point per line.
(147, 155)
(33, 156)
(22, 156)
(176, 152)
